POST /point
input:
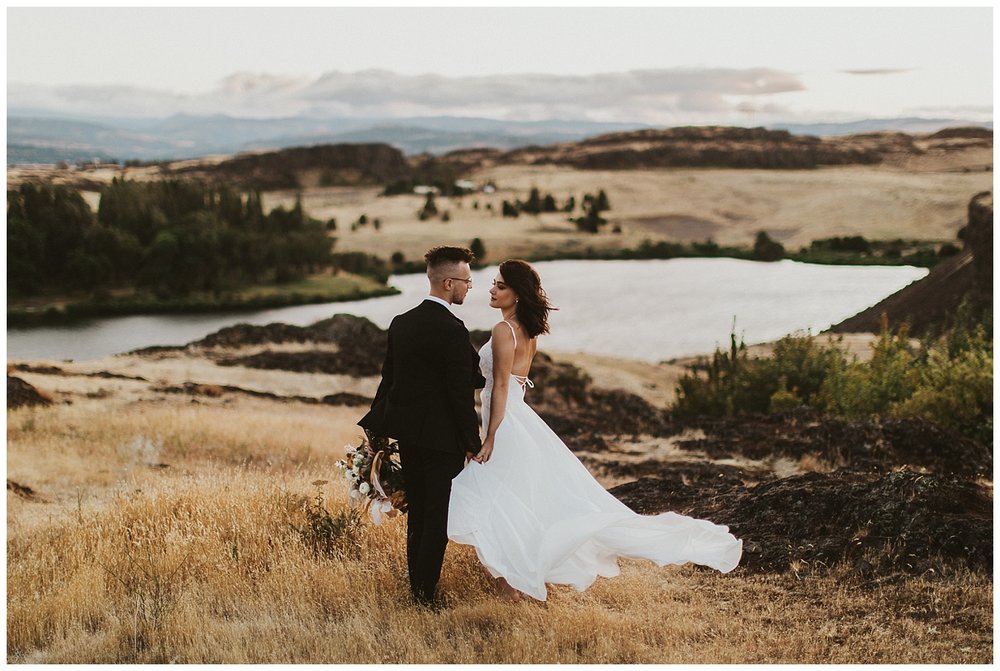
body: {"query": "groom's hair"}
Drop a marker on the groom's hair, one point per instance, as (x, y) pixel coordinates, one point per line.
(441, 261)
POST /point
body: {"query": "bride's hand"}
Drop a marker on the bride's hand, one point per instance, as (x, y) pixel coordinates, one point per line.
(485, 452)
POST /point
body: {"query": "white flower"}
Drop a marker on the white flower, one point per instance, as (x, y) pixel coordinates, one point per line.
(341, 464)
(364, 488)
(379, 509)
(348, 475)
(356, 470)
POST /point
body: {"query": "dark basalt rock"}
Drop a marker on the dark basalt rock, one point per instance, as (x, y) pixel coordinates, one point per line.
(361, 346)
(21, 394)
(901, 522)
(859, 445)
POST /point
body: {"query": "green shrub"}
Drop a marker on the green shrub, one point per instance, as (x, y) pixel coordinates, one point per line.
(783, 400)
(870, 389)
(955, 385)
(733, 383)
(711, 388)
(328, 534)
(947, 380)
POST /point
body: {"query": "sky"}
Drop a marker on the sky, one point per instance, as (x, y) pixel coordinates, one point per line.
(657, 65)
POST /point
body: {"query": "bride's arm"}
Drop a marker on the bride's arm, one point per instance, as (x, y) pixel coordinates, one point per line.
(503, 363)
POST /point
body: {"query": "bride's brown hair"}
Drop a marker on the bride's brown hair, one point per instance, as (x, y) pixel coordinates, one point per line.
(533, 306)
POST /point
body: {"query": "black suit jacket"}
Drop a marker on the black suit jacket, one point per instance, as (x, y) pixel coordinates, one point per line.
(429, 377)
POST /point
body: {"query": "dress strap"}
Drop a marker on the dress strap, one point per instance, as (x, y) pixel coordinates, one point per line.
(511, 332)
(521, 379)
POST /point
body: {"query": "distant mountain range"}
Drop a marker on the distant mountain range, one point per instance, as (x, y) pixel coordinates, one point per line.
(34, 136)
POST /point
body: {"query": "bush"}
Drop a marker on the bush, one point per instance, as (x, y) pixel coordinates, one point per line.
(429, 209)
(947, 380)
(710, 388)
(479, 251)
(333, 536)
(360, 263)
(861, 390)
(766, 249)
(955, 392)
(948, 249)
(734, 384)
(590, 224)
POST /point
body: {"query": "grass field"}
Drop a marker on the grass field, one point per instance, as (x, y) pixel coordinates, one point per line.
(163, 528)
(149, 527)
(730, 206)
(318, 288)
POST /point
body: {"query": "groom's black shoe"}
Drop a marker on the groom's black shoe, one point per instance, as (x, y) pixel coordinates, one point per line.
(428, 603)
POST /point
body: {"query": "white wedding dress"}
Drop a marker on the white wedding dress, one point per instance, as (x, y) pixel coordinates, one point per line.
(535, 514)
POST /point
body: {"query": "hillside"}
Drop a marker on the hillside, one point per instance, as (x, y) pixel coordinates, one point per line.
(35, 136)
(726, 147)
(930, 303)
(954, 149)
(322, 165)
(918, 189)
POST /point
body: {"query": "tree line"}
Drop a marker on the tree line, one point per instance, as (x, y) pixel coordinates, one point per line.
(170, 237)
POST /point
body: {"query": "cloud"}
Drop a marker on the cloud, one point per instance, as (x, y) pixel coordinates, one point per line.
(877, 71)
(637, 95)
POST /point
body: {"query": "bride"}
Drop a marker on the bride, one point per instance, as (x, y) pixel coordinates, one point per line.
(530, 508)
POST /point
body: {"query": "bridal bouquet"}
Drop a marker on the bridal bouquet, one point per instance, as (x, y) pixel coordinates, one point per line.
(376, 477)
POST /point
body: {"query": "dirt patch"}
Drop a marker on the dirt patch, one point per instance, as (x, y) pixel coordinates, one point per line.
(883, 524)
(677, 226)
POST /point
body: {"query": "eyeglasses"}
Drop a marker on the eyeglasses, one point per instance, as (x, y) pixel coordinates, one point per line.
(468, 281)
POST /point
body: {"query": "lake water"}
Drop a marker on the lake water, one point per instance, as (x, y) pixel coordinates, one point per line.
(649, 310)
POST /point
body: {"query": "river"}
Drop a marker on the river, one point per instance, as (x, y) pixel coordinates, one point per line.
(648, 310)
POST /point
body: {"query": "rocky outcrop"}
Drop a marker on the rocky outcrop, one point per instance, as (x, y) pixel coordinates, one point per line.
(734, 147)
(881, 524)
(325, 165)
(867, 445)
(360, 346)
(702, 147)
(931, 302)
(979, 239)
(21, 394)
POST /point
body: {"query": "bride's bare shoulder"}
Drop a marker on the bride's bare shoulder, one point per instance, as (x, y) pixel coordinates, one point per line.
(502, 327)
(502, 334)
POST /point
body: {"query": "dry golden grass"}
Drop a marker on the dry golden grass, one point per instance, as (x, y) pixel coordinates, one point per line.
(119, 560)
(921, 199)
(687, 204)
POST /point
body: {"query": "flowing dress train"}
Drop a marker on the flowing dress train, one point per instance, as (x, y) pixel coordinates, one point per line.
(535, 514)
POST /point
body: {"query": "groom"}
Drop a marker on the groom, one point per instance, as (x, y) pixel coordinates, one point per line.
(426, 401)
